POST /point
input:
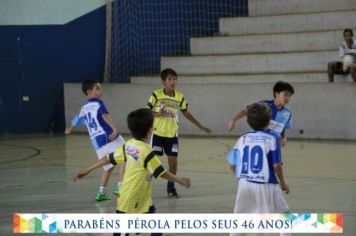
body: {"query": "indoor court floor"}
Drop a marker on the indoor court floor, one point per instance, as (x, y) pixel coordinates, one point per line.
(36, 172)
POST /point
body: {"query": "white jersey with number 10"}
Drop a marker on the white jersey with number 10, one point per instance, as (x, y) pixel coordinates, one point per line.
(255, 153)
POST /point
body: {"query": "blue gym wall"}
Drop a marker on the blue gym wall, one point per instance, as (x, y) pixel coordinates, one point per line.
(35, 61)
(36, 58)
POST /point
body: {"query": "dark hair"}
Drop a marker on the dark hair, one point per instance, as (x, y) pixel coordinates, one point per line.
(349, 31)
(166, 72)
(140, 122)
(88, 84)
(282, 86)
(258, 116)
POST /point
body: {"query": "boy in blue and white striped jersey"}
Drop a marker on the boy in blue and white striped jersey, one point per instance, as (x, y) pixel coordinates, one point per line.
(102, 131)
(257, 164)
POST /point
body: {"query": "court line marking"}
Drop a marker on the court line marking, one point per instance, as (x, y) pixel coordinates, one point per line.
(37, 152)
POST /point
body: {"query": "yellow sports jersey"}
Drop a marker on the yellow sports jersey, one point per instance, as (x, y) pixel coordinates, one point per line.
(167, 124)
(141, 165)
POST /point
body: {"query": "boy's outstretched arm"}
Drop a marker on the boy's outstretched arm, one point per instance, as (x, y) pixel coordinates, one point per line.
(96, 165)
(75, 122)
(191, 118)
(69, 129)
(279, 172)
(107, 119)
(233, 159)
(233, 169)
(160, 112)
(180, 180)
(237, 116)
(283, 139)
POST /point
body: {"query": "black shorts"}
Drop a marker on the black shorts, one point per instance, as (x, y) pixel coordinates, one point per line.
(151, 210)
(168, 145)
(338, 68)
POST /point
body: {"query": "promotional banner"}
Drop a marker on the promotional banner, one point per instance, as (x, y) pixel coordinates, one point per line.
(178, 223)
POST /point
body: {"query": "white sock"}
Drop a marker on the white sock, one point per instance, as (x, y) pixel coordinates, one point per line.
(103, 190)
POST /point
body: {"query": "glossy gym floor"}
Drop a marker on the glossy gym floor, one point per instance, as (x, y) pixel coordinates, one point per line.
(36, 171)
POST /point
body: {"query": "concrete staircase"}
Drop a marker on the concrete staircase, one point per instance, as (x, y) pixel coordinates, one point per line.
(290, 40)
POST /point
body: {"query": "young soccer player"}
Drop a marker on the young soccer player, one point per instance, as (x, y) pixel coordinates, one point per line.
(165, 104)
(102, 131)
(346, 48)
(141, 165)
(281, 118)
(257, 164)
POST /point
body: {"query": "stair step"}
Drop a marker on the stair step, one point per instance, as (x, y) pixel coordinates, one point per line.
(320, 77)
(279, 7)
(291, 42)
(251, 63)
(288, 23)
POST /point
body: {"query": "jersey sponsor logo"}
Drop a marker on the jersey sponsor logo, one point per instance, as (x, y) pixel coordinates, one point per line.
(169, 108)
(169, 113)
(169, 103)
(133, 151)
(253, 178)
(276, 126)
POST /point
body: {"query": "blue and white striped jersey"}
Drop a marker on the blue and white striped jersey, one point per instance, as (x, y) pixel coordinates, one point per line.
(254, 155)
(91, 114)
(281, 119)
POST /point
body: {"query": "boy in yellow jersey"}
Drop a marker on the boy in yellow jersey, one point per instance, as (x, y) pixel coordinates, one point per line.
(141, 165)
(165, 104)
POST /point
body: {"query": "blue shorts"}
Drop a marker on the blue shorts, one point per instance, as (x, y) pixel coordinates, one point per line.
(168, 145)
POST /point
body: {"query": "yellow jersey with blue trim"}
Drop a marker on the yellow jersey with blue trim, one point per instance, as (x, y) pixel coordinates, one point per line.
(166, 125)
(141, 165)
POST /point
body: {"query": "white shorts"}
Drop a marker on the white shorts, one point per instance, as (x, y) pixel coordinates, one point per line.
(109, 148)
(259, 198)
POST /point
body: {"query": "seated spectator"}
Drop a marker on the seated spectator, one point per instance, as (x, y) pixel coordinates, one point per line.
(347, 52)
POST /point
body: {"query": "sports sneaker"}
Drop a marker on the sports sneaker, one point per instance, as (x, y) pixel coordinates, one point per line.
(117, 191)
(102, 197)
(173, 193)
